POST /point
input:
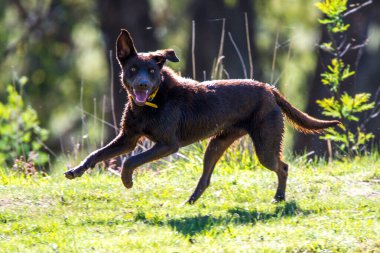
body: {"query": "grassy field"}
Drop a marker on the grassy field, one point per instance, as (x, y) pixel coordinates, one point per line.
(330, 208)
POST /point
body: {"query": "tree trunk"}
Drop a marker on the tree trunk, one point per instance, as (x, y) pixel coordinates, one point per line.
(208, 17)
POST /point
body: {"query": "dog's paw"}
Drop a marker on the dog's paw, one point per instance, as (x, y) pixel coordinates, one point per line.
(128, 185)
(73, 173)
(191, 200)
(126, 178)
(69, 174)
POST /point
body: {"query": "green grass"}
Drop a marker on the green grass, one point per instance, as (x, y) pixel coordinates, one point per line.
(330, 208)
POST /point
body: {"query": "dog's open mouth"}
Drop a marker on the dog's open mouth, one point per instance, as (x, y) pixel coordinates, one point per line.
(141, 96)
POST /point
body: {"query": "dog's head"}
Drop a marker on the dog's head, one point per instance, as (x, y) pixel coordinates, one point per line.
(140, 72)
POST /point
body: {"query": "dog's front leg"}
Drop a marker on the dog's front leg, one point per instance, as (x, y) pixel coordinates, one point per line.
(158, 151)
(123, 143)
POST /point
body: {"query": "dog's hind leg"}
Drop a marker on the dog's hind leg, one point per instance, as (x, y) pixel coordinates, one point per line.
(214, 151)
(267, 137)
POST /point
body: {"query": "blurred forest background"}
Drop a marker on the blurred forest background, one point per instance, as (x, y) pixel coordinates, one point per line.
(65, 47)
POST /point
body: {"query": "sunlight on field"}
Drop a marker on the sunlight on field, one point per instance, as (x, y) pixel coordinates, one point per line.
(330, 208)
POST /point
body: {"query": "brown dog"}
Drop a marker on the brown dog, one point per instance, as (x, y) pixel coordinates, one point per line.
(175, 112)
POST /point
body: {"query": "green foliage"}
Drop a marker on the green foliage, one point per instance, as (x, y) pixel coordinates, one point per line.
(330, 208)
(336, 74)
(355, 141)
(341, 105)
(346, 107)
(20, 131)
(57, 53)
(334, 10)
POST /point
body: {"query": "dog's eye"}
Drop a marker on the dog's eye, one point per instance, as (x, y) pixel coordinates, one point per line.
(152, 71)
(133, 69)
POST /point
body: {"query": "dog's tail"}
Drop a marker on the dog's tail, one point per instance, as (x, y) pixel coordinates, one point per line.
(301, 121)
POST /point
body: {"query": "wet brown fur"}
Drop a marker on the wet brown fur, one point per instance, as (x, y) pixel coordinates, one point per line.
(188, 111)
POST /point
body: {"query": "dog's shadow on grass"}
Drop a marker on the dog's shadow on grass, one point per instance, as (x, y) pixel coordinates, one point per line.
(190, 226)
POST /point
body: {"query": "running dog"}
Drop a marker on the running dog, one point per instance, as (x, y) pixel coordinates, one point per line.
(174, 112)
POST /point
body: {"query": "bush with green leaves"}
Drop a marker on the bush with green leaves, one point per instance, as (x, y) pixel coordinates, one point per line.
(21, 137)
(341, 105)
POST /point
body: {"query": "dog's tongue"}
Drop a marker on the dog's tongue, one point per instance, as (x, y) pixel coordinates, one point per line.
(141, 96)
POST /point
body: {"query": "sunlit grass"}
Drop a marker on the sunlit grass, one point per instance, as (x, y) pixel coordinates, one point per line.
(330, 208)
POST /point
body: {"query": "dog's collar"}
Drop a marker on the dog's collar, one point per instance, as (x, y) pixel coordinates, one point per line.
(151, 97)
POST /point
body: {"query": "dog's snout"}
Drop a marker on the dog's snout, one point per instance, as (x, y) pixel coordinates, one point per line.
(143, 85)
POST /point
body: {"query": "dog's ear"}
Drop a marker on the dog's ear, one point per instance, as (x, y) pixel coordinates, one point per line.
(170, 55)
(167, 54)
(124, 47)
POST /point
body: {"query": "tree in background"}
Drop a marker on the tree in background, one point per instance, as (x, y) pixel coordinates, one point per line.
(210, 31)
(361, 23)
(55, 44)
(63, 46)
(68, 50)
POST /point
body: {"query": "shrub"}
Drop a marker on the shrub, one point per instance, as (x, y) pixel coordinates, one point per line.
(21, 135)
(351, 136)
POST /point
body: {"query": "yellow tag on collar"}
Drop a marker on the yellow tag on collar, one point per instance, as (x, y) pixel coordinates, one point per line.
(151, 97)
(151, 105)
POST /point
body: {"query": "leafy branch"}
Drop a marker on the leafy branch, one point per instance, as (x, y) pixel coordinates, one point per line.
(341, 105)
